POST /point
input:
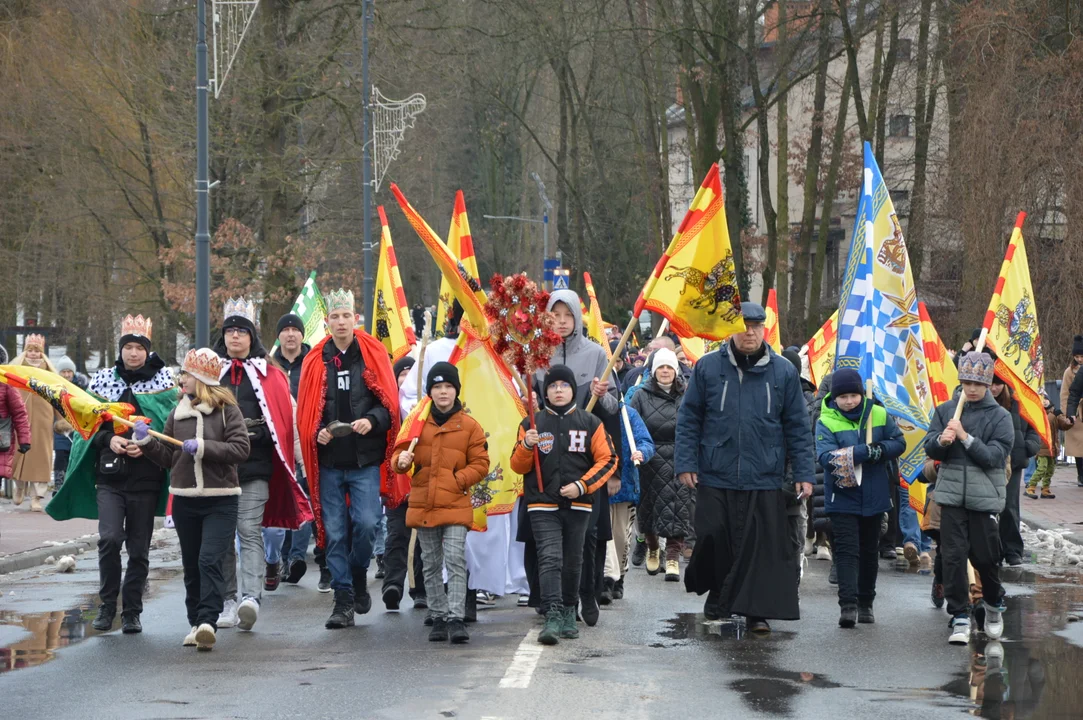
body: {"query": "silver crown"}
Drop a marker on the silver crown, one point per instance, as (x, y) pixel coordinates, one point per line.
(241, 307)
(339, 300)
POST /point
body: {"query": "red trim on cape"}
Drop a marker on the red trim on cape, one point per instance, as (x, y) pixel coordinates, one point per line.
(287, 505)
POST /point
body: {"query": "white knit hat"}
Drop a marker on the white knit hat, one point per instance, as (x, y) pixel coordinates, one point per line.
(664, 356)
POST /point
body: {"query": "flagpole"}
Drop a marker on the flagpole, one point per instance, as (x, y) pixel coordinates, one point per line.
(616, 353)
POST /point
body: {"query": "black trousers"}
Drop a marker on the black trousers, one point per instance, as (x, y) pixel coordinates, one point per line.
(1011, 542)
(559, 535)
(124, 518)
(857, 557)
(205, 527)
(969, 535)
(891, 537)
(1079, 470)
(396, 553)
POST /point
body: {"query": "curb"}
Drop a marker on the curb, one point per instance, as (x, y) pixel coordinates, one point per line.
(32, 558)
(1075, 538)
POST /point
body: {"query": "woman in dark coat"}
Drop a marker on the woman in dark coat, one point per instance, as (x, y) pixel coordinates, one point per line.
(666, 507)
(1027, 444)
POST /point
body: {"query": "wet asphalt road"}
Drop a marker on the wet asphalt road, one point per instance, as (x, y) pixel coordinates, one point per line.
(651, 656)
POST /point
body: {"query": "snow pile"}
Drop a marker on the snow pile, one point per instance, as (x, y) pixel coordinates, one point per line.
(1050, 547)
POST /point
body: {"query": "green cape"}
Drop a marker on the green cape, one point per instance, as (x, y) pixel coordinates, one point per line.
(78, 496)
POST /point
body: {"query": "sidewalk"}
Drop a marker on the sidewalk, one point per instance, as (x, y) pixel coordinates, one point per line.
(27, 538)
(1064, 511)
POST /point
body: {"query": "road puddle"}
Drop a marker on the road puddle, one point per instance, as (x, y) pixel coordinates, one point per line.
(48, 632)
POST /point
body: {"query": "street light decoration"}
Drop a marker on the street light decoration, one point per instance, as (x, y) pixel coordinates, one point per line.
(231, 19)
(390, 119)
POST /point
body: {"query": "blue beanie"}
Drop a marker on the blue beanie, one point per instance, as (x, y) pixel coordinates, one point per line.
(846, 380)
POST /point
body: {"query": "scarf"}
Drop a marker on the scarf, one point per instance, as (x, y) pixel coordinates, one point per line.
(442, 417)
(745, 362)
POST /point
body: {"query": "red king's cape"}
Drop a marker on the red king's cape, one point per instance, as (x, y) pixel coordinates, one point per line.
(311, 397)
(287, 505)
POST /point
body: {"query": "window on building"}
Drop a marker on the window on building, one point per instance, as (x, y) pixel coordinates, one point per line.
(900, 126)
(903, 50)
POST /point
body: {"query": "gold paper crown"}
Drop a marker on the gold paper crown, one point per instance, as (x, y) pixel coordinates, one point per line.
(241, 307)
(34, 339)
(339, 300)
(204, 365)
(138, 326)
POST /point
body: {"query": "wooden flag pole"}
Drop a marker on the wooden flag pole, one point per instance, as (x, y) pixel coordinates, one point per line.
(616, 354)
(152, 433)
(868, 420)
(426, 336)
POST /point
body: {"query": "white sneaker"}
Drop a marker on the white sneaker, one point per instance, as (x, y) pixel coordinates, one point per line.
(994, 621)
(205, 637)
(247, 613)
(524, 601)
(485, 598)
(228, 618)
(994, 655)
(960, 631)
(190, 638)
(823, 553)
(810, 547)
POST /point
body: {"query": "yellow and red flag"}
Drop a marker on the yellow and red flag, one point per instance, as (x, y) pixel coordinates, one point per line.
(771, 331)
(85, 412)
(821, 350)
(464, 287)
(697, 347)
(593, 319)
(694, 283)
(1011, 325)
(461, 245)
(390, 323)
(943, 375)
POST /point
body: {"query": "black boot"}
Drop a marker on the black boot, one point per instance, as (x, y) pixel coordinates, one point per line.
(392, 597)
(589, 610)
(865, 616)
(342, 614)
(712, 608)
(457, 631)
(362, 601)
(605, 597)
(848, 617)
(129, 623)
(833, 574)
(104, 621)
(439, 630)
(618, 589)
(471, 614)
(381, 571)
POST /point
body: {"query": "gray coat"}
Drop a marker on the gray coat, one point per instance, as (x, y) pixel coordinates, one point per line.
(583, 356)
(973, 478)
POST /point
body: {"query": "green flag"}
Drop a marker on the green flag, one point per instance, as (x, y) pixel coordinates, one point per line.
(310, 307)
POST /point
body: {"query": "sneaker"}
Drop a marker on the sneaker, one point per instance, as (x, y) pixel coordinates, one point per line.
(439, 630)
(247, 613)
(104, 621)
(589, 611)
(456, 630)
(190, 638)
(1031, 492)
(823, 552)
(486, 598)
(639, 553)
(925, 563)
(362, 601)
(758, 626)
(848, 617)
(228, 618)
(297, 570)
(938, 595)
(810, 547)
(129, 623)
(569, 630)
(381, 571)
(324, 585)
(1013, 560)
(994, 621)
(392, 597)
(833, 574)
(205, 637)
(910, 552)
(887, 553)
(554, 624)
(960, 630)
(618, 589)
(994, 655)
(1047, 494)
(865, 616)
(654, 561)
(342, 613)
(428, 619)
(421, 603)
(673, 571)
(524, 601)
(273, 577)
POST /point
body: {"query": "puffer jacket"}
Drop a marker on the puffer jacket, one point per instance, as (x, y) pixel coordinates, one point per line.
(737, 429)
(449, 459)
(836, 431)
(667, 507)
(973, 478)
(629, 474)
(1027, 440)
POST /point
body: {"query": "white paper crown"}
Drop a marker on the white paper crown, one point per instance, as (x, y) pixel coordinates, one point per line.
(241, 307)
(35, 340)
(204, 365)
(138, 326)
(339, 300)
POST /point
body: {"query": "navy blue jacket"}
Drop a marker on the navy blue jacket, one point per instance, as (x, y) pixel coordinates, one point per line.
(737, 429)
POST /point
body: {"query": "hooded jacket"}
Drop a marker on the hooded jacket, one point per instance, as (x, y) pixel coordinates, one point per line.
(586, 358)
(629, 475)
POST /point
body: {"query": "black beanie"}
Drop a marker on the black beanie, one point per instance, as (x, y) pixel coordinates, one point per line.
(239, 321)
(130, 338)
(443, 372)
(846, 380)
(290, 320)
(404, 364)
(558, 372)
(1077, 345)
(794, 357)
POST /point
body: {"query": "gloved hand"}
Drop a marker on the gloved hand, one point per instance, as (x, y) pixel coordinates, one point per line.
(190, 446)
(140, 431)
(875, 452)
(24, 448)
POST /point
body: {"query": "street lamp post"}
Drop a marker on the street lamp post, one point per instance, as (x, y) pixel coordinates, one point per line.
(203, 234)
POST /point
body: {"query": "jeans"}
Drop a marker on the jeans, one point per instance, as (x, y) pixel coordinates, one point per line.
(440, 546)
(909, 529)
(124, 518)
(1032, 467)
(205, 528)
(974, 536)
(273, 540)
(363, 487)
(856, 557)
(1043, 475)
(559, 536)
(380, 545)
(250, 507)
(396, 555)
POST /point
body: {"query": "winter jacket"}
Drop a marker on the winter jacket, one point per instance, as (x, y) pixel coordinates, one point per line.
(1027, 440)
(1073, 436)
(1057, 421)
(223, 444)
(972, 477)
(260, 461)
(371, 448)
(836, 431)
(666, 507)
(292, 369)
(736, 429)
(586, 359)
(818, 517)
(12, 406)
(573, 447)
(449, 459)
(629, 474)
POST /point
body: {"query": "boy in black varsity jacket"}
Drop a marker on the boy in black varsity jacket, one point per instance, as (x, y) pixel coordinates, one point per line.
(576, 458)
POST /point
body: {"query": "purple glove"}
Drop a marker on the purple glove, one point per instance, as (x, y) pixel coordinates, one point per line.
(140, 431)
(191, 446)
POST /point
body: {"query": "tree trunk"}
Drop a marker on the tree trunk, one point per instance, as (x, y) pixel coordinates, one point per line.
(763, 157)
(782, 170)
(924, 112)
(885, 86)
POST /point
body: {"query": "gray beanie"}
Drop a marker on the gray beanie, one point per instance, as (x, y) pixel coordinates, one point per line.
(65, 363)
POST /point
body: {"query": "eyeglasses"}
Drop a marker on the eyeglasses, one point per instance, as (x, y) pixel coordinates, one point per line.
(236, 331)
(559, 385)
